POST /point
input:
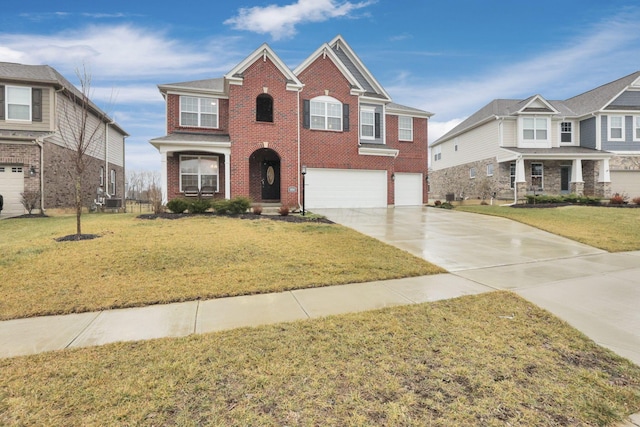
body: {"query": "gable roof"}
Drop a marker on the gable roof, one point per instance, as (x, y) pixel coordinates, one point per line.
(46, 75)
(598, 98)
(393, 108)
(208, 85)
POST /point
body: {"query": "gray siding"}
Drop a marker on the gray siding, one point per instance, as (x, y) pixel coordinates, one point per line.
(588, 133)
(629, 98)
(627, 145)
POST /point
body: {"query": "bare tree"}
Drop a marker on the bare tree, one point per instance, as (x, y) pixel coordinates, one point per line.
(81, 128)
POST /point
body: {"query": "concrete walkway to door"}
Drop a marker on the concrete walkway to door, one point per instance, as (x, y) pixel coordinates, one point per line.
(595, 291)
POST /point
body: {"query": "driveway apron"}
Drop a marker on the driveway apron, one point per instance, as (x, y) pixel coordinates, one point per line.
(593, 290)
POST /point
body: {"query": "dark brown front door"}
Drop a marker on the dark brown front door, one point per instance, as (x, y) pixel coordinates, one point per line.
(270, 180)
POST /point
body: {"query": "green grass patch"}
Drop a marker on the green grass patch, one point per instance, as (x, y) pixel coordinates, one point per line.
(491, 359)
(611, 229)
(140, 262)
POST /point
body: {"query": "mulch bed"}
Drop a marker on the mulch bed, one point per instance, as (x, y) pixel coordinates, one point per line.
(557, 205)
(287, 218)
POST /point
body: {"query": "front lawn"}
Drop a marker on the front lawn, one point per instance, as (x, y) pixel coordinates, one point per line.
(486, 360)
(139, 262)
(611, 229)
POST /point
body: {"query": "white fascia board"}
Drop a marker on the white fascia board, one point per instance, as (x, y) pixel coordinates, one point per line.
(263, 51)
(326, 51)
(541, 99)
(176, 145)
(205, 93)
(418, 114)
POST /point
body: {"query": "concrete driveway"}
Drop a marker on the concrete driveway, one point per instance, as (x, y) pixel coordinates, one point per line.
(596, 292)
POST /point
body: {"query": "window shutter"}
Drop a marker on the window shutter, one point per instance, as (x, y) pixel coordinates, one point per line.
(345, 117)
(377, 125)
(1, 102)
(306, 120)
(36, 105)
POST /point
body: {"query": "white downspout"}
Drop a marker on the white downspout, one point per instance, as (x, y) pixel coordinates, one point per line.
(106, 155)
(299, 156)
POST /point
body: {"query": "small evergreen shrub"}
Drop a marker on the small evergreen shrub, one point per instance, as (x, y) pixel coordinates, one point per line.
(198, 206)
(178, 205)
(446, 205)
(221, 206)
(239, 205)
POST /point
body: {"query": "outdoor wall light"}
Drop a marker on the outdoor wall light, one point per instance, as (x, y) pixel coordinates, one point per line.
(32, 171)
(393, 177)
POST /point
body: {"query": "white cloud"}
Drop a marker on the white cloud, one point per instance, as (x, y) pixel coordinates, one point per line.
(281, 21)
(437, 129)
(127, 94)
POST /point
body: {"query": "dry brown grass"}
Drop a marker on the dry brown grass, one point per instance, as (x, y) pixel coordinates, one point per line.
(611, 229)
(490, 360)
(139, 262)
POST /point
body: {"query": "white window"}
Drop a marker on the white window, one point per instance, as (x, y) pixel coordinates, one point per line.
(616, 128)
(636, 128)
(367, 123)
(197, 172)
(326, 113)
(112, 183)
(534, 129)
(566, 132)
(472, 173)
(537, 175)
(437, 153)
(512, 175)
(198, 112)
(490, 169)
(18, 103)
(101, 176)
(405, 128)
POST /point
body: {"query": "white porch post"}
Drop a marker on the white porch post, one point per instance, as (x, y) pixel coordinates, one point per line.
(163, 176)
(227, 175)
(605, 175)
(520, 170)
(576, 171)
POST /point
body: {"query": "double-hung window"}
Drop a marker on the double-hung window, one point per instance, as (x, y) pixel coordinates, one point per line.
(437, 153)
(405, 128)
(18, 103)
(616, 128)
(198, 112)
(534, 129)
(367, 123)
(566, 132)
(636, 128)
(326, 113)
(112, 183)
(537, 175)
(197, 172)
(512, 175)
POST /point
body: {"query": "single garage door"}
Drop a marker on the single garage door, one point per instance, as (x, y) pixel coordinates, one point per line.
(408, 189)
(11, 185)
(627, 182)
(345, 188)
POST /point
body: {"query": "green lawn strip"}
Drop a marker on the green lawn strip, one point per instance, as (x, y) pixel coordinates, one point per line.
(491, 359)
(610, 229)
(139, 262)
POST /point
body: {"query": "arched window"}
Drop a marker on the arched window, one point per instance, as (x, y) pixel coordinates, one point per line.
(264, 108)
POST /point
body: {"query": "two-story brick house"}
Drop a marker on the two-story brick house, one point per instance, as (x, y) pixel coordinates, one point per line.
(254, 130)
(35, 103)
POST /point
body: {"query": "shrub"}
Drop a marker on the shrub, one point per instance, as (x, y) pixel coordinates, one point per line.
(618, 199)
(30, 199)
(636, 200)
(221, 206)
(446, 205)
(257, 210)
(178, 205)
(198, 206)
(284, 210)
(239, 205)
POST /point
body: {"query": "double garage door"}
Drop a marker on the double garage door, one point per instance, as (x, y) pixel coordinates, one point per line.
(11, 185)
(627, 182)
(358, 188)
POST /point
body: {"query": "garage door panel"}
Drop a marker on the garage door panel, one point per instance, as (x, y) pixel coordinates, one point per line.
(627, 182)
(11, 185)
(345, 188)
(408, 189)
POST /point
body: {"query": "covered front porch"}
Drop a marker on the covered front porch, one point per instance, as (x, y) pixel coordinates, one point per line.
(561, 170)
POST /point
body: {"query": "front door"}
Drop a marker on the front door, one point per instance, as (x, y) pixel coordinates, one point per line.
(565, 179)
(270, 180)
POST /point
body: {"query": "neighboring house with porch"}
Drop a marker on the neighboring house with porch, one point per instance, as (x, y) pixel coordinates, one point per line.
(588, 144)
(34, 154)
(254, 130)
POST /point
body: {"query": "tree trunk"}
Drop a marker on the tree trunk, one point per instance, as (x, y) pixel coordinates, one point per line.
(78, 204)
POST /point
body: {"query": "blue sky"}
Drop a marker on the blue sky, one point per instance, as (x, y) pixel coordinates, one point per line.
(449, 58)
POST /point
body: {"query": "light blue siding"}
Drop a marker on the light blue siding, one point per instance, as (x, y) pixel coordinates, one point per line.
(588, 133)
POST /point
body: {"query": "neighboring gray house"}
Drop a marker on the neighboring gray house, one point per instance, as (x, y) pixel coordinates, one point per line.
(33, 153)
(588, 144)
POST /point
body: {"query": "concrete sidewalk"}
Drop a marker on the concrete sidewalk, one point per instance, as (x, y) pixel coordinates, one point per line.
(39, 334)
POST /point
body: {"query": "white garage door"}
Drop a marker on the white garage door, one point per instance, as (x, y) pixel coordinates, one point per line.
(345, 188)
(627, 182)
(11, 185)
(408, 189)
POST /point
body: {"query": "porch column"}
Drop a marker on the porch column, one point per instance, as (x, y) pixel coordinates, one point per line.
(576, 171)
(227, 175)
(520, 186)
(605, 175)
(163, 176)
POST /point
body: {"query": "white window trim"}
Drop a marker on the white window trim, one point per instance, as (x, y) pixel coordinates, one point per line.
(472, 173)
(326, 100)
(490, 169)
(112, 183)
(101, 176)
(437, 153)
(410, 128)
(541, 175)
(636, 128)
(217, 160)
(512, 175)
(372, 111)
(199, 112)
(6, 103)
(609, 127)
(535, 142)
(572, 142)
